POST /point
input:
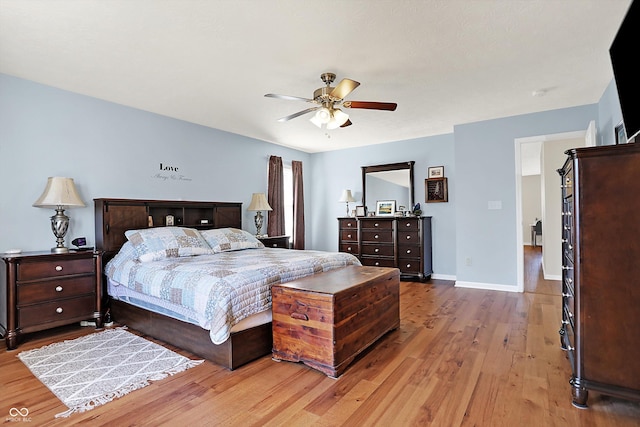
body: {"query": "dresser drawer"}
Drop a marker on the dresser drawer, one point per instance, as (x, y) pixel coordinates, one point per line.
(377, 250)
(32, 293)
(348, 223)
(409, 252)
(383, 236)
(408, 225)
(410, 266)
(350, 248)
(377, 224)
(349, 235)
(54, 268)
(54, 311)
(377, 262)
(408, 237)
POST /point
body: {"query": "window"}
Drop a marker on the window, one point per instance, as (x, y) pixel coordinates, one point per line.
(287, 178)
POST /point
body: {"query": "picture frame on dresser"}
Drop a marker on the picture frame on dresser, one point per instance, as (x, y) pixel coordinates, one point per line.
(361, 211)
(385, 207)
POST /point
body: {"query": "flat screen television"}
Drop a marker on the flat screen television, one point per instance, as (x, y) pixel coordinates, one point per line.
(625, 55)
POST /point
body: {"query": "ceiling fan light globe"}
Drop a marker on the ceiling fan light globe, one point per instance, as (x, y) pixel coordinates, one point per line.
(333, 124)
(323, 115)
(340, 117)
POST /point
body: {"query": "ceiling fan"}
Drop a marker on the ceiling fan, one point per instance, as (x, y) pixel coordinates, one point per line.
(328, 99)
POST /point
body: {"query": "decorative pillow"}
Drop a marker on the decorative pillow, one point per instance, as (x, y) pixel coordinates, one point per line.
(153, 244)
(230, 239)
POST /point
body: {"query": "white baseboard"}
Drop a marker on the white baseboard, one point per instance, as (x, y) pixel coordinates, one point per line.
(443, 276)
(486, 286)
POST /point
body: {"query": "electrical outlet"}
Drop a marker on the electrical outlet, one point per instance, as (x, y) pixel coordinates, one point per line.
(467, 261)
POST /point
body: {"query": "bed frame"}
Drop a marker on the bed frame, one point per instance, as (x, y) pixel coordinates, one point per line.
(114, 216)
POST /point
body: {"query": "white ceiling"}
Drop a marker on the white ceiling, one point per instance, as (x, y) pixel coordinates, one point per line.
(445, 62)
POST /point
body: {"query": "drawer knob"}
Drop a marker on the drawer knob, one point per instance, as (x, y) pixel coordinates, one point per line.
(565, 322)
(377, 263)
(376, 236)
(59, 310)
(376, 224)
(349, 249)
(376, 250)
(408, 265)
(349, 236)
(348, 224)
(566, 295)
(58, 268)
(408, 251)
(570, 348)
(408, 237)
(408, 224)
(58, 288)
(275, 245)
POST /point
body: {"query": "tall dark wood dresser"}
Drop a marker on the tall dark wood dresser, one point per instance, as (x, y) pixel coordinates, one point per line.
(601, 270)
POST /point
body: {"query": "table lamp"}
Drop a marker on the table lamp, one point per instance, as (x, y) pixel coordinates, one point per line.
(59, 194)
(346, 198)
(259, 203)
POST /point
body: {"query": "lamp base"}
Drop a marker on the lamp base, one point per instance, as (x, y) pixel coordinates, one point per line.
(57, 250)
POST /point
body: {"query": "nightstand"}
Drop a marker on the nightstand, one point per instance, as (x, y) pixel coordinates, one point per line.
(45, 290)
(275, 241)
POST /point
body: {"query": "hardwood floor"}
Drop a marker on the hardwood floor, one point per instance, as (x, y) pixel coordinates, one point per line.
(461, 357)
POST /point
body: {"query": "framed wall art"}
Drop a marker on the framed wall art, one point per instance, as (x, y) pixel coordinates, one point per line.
(385, 207)
(435, 190)
(435, 172)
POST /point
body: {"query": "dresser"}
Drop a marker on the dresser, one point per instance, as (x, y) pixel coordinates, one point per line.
(45, 290)
(600, 270)
(400, 242)
(275, 241)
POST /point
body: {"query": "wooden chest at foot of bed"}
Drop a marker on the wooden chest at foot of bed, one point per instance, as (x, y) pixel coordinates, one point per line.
(326, 320)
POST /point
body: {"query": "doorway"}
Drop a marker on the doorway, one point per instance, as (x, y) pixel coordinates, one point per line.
(551, 157)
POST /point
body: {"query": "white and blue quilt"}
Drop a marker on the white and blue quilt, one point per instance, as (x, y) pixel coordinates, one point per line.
(220, 289)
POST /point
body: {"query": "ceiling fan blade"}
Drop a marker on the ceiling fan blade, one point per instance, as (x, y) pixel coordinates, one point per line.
(344, 88)
(289, 97)
(388, 106)
(298, 114)
(347, 123)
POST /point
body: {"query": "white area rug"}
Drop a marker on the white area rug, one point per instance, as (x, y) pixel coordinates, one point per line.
(95, 369)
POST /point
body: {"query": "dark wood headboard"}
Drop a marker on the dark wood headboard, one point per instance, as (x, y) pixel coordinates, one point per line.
(115, 216)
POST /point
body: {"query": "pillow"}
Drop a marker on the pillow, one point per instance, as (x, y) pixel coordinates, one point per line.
(153, 244)
(230, 239)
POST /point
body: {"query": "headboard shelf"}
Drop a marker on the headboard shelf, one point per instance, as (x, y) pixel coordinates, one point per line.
(115, 216)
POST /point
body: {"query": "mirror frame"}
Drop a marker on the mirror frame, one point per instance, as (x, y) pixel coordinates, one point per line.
(388, 167)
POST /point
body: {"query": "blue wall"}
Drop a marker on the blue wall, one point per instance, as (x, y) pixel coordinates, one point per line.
(115, 151)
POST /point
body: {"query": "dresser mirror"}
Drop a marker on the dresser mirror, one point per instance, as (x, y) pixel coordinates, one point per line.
(393, 181)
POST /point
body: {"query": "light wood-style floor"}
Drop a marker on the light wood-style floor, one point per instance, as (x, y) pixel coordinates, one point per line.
(461, 357)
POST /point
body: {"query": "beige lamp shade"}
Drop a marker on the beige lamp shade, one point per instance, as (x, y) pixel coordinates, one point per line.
(59, 192)
(346, 196)
(259, 203)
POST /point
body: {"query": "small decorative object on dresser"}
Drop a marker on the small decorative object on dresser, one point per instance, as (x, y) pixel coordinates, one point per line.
(169, 220)
(385, 207)
(45, 290)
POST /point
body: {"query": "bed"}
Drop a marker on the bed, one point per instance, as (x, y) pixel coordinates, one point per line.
(217, 304)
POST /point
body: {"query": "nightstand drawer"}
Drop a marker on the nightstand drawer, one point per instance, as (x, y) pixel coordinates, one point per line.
(53, 268)
(36, 315)
(32, 293)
